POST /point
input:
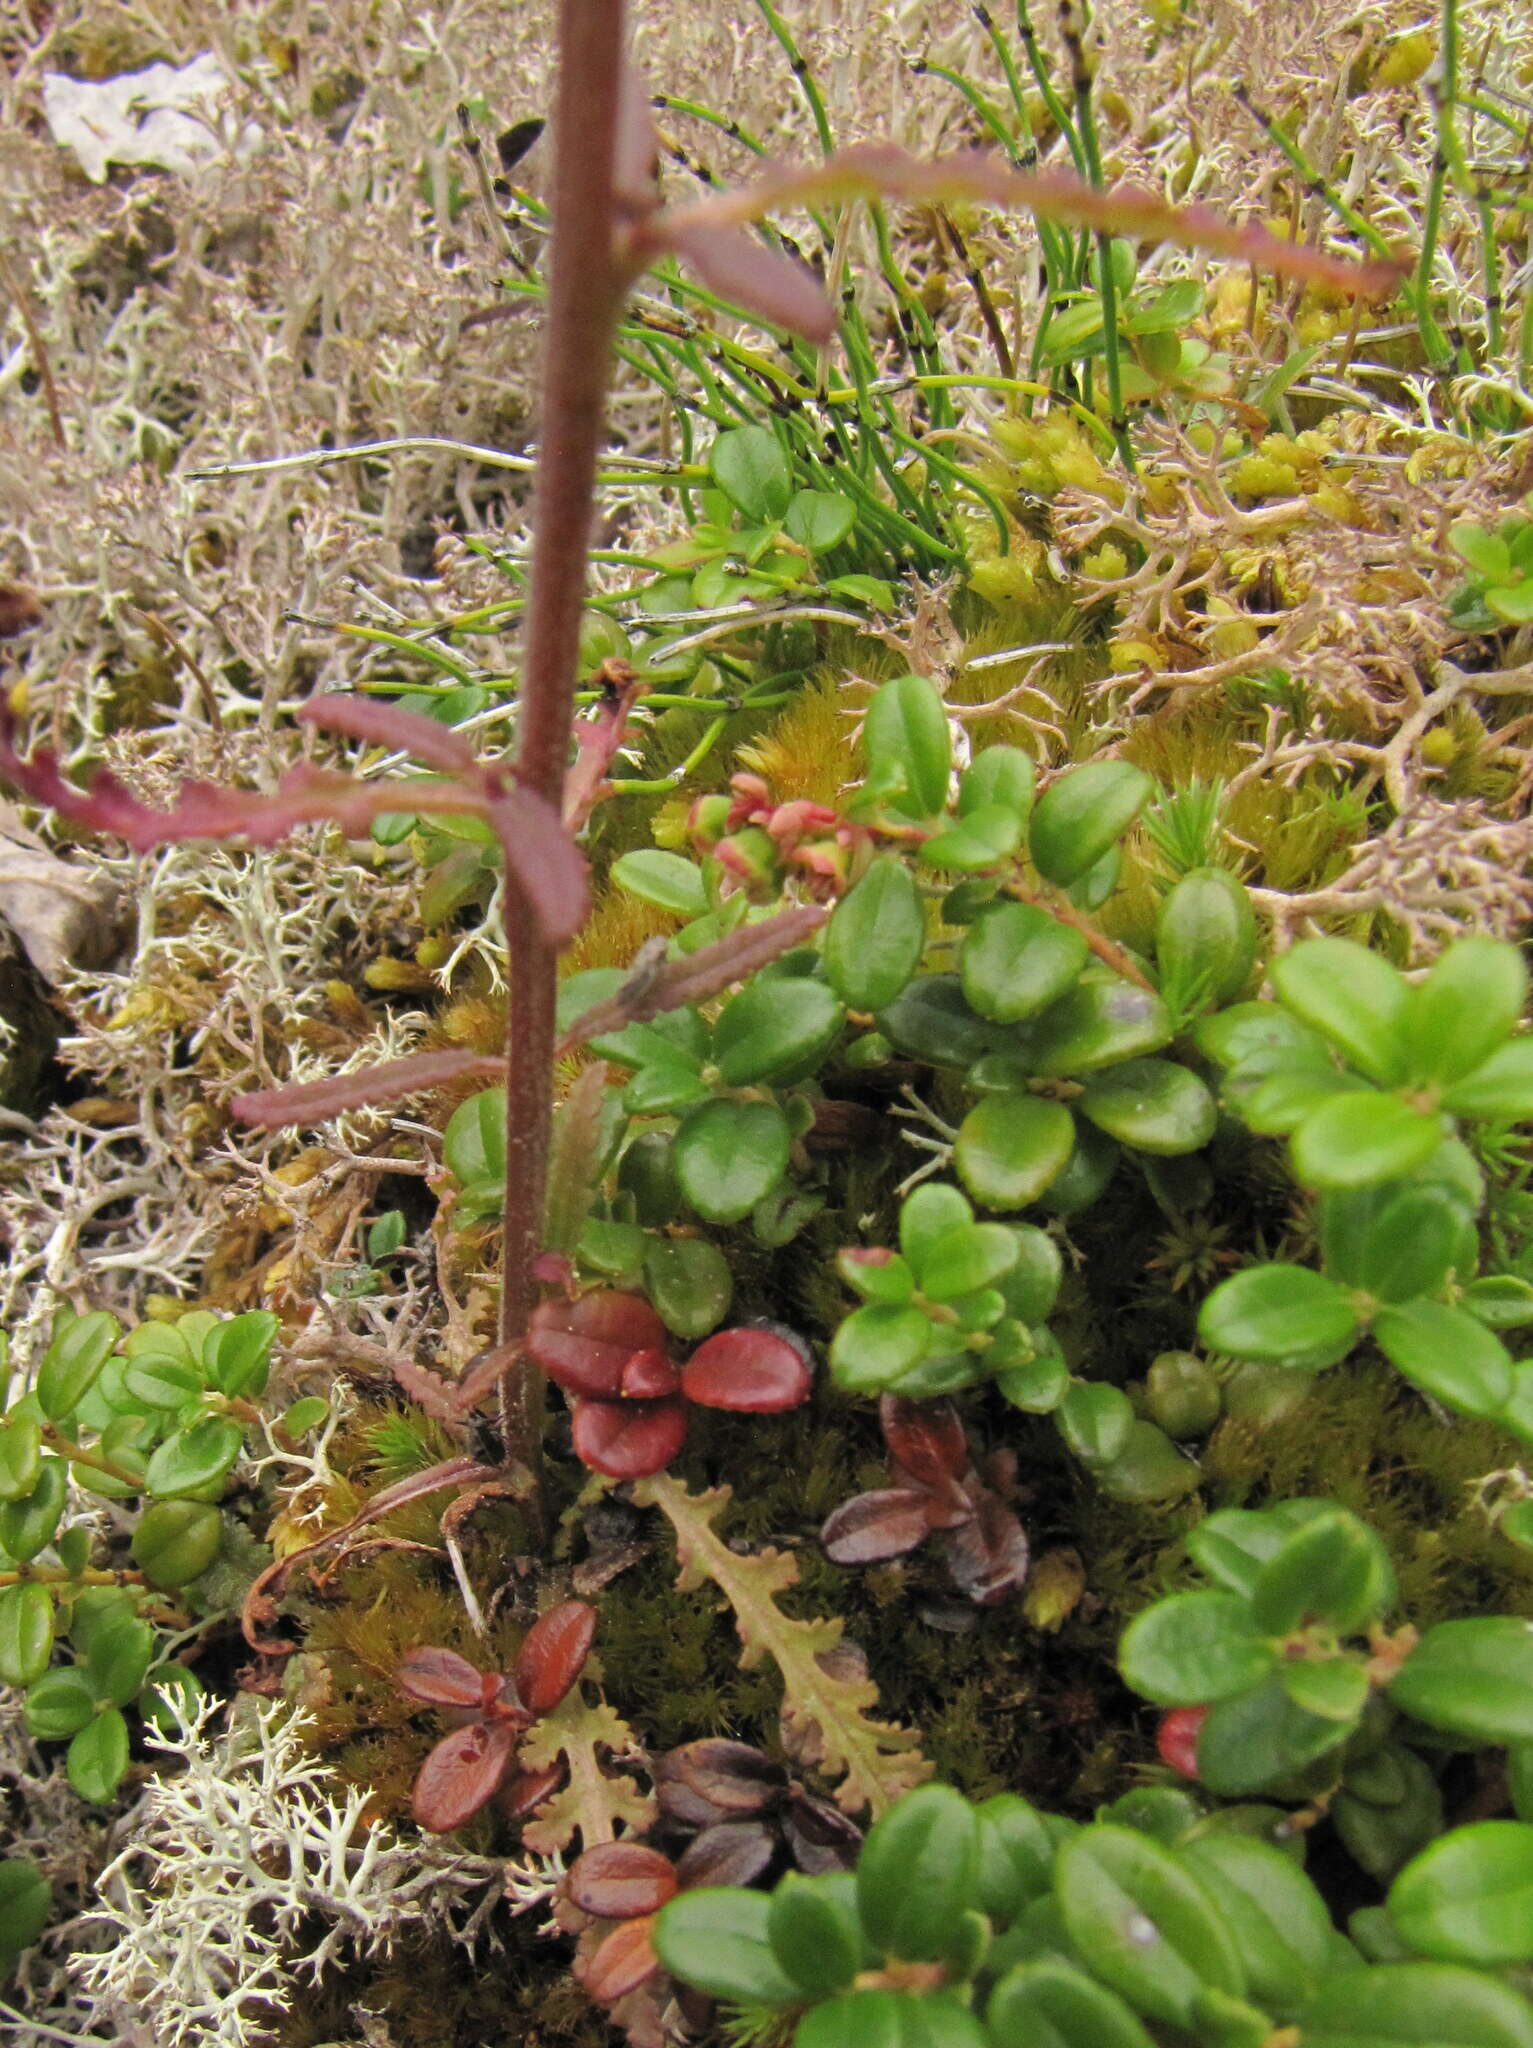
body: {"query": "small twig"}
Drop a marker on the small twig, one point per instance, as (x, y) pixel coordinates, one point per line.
(18, 290)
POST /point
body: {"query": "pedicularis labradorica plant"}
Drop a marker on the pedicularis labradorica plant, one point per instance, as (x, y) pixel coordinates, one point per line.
(1051, 982)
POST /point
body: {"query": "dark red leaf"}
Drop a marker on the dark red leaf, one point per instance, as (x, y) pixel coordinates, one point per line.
(518, 1796)
(439, 1678)
(874, 1526)
(586, 1344)
(312, 1102)
(391, 725)
(730, 1778)
(461, 1775)
(622, 1963)
(549, 1661)
(734, 1852)
(765, 281)
(751, 1370)
(987, 1556)
(1176, 1739)
(628, 1439)
(649, 1376)
(621, 1881)
(926, 1439)
(820, 1835)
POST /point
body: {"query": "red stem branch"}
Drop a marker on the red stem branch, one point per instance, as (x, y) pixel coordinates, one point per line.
(584, 295)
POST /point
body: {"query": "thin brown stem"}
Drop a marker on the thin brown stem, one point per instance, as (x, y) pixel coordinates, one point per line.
(19, 290)
(1107, 950)
(584, 294)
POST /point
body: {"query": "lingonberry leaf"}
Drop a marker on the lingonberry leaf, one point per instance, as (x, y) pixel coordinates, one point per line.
(520, 1795)
(649, 1376)
(551, 1655)
(621, 1881)
(628, 1439)
(727, 1778)
(819, 1834)
(874, 1526)
(754, 1371)
(585, 1345)
(461, 1775)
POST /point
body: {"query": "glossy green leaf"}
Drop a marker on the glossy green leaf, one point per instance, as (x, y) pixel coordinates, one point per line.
(775, 1030)
(195, 1458)
(1416, 2005)
(1281, 1925)
(97, 1759)
(1016, 960)
(1448, 1354)
(1095, 1421)
(729, 1155)
(1233, 1545)
(1051, 2004)
(1009, 1147)
(1193, 1648)
(997, 775)
(1281, 1314)
(820, 520)
(1333, 1572)
(1468, 1898)
(1257, 1031)
(1412, 1244)
(690, 1284)
(963, 1260)
(119, 1657)
(986, 838)
(1380, 1839)
(27, 1524)
(1335, 1689)
(72, 1361)
(718, 1941)
(930, 1020)
(1205, 934)
(1275, 1104)
(1357, 1138)
(1100, 1021)
(1469, 1000)
(21, 1443)
(1038, 1386)
(474, 1142)
(1351, 996)
(1081, 815)
(26, 1633)
(917, 1872)
(668, 880)
(175, 1541)
(236, 1354)
(1182, 1394)
(1499, 1090)
(890, 2019)
(1149, 1468)
(908, 746)
(1152, 1105)
(748, 465)
(1150, 1928)
(1502, 1301)
(876, 936)
(58, 1704)
(1472, 1678)
(26, 1901)
(1016, 1855)
(814, 1932)
(1256, 1739)
(878, 1345)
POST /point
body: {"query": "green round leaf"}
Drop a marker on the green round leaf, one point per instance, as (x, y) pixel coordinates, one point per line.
(237, 1354)
(876, 936)
(997, 775)
(1152, 1105)
(729, 1155)
(97, 1760)
(1502, 1301)
(1205, 934)
(1256, 1739)
(1462, 1009)
(930, 1020)
(21, 1444)
(1149, 1468)
(1182, 1394)
(974, 1256)
(1416, 2005)
(26, 1633)
(1095, 1421)
(1352, 997)
(1031, 1285)
(1016, 1855)
(474, 1142)
(26, 1525)
(26, 1901)
(878, 1345)
(689, 1281)
(1101, 1021)
(1194, 1648)
(890, 2019)
(1016, 960)
(194, 1458)
(1472, 1678)
(1281, 1315)
(58, 1704)
(1051, 2004)
(1082, 815)
(775, 1029)
(119, 1658)
(1413, 1242)
(749, 467)
(668, 880)
(1500, 1089)
(176, 1541)
(1334, 1690)
(1281, 1925)
(718, 1942)
(908, 745)
(1009, 1147)
(1357, 1138)
(814, 1931)
(1333, 1572)
(820, 520)
(1381, 1838)
(1448, 1354)
(1037, 1387)
(1150, 1928)
(985, 838)
(917, 1871)
(72, 1361)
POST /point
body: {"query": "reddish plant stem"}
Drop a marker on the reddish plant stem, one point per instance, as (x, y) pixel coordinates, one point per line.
(584, 294)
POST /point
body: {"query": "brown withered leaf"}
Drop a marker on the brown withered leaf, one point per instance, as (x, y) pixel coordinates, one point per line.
(64, 916)
(736, 1852)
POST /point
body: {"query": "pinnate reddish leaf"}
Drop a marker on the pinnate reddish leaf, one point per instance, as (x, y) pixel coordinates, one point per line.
(872, 1527)
(555, 1648)
(461, 1774)
(628, 1439)
(621, 1881)
(750, 1370)
(585, 1345)
(439, 1678)
(622, 1963)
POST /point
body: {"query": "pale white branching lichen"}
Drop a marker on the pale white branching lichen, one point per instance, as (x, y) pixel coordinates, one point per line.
(239, 1855)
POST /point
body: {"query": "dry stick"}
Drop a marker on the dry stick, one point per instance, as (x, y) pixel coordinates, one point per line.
(20, 292)
(584, 293)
